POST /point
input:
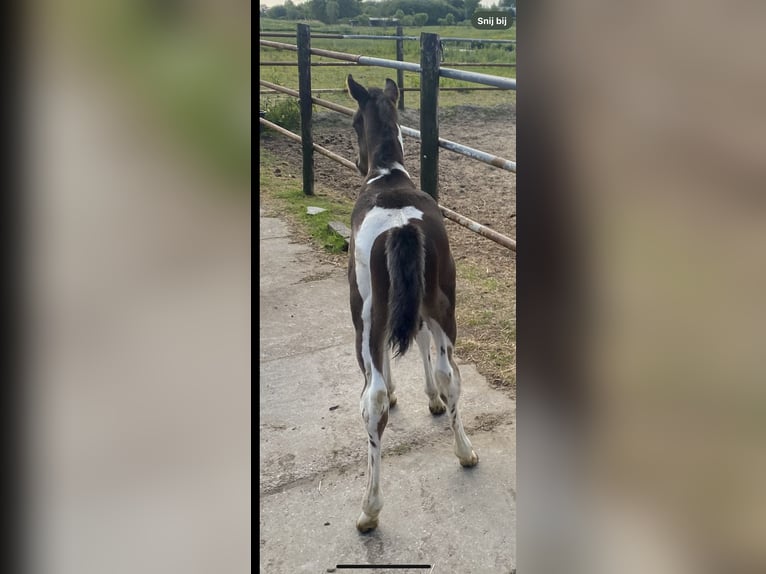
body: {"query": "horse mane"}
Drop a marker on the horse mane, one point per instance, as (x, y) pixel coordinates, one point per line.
(388, 119)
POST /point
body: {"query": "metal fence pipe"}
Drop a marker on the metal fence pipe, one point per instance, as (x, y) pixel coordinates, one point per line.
(497, 81)
(466, 64)
(382, 37)
(453, 89)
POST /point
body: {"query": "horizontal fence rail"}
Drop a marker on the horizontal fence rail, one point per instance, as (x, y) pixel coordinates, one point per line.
(486, 79)
(478, 40)
(458, 89)
(324, 151)
(497, 81)
(467, 64)
(477, 227)
(455, 147)
(474, 226)
(319, 35)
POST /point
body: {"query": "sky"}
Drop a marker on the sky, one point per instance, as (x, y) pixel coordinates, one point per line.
(271, 3)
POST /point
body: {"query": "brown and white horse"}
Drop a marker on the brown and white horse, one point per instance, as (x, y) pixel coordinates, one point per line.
(402, 278)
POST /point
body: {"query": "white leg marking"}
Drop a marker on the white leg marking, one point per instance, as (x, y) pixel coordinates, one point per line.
(448, 378)
(375, 401)
(435, 404)
(375, 406)
(388, 378)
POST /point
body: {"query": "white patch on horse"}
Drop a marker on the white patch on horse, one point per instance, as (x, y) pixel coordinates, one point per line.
(384, 171)
(401, 140)
(377, 221)
(400, 167)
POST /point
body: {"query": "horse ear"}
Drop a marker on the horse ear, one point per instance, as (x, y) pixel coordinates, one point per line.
(391, 90)
(357, 91)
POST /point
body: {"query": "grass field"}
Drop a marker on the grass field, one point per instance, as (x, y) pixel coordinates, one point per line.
(335, 76)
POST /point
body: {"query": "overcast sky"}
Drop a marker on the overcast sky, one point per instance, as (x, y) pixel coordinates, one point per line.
(275, 2)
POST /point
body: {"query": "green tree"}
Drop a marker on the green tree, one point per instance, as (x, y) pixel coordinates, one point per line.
(318, 9)
(372, 9)
(470, 7)
(331, 12)
(277, 12)
(434, 8)
(292, 12)
(348, 8)
(449, 19)
(399, 14)
(420, 19)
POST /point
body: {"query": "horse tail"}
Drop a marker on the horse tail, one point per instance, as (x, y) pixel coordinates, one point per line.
(406, 260)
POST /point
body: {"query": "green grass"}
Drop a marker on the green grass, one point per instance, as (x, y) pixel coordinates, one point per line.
(285, 195)
(335, 76)
(487, 323)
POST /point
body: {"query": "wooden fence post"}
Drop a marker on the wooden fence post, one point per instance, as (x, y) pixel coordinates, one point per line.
(429, 106)
(400, 73)
(304, 89)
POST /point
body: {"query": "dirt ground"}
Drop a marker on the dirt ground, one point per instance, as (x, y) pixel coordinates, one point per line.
(476, 190)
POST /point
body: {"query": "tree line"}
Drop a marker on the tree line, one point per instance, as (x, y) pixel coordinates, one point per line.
(408, 12)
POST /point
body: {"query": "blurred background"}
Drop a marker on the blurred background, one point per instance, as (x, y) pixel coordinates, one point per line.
(137, 232)
(658, 109)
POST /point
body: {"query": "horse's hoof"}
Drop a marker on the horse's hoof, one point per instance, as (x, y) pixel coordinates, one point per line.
(437, 407)
(472, 460)
(366, 523)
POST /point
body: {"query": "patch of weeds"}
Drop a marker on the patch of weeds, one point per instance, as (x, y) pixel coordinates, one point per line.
(286, 197)
(284, 112)
(318, 225)
(487, 322)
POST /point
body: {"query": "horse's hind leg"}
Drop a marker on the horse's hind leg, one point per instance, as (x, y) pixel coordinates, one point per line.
(374, 406)
(388, 378)
(448, 378)
(423, 338)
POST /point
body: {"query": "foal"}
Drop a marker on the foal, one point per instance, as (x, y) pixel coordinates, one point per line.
(402, 278)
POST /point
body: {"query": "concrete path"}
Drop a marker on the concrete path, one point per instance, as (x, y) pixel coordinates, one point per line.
(313, 445)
